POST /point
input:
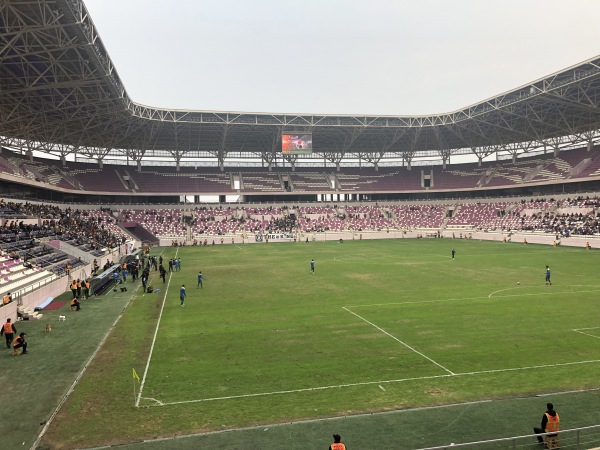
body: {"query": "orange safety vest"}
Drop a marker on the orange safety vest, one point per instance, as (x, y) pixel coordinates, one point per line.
(8, 328)
(78, 284)
(87, 285)
(338, 446)
(73, 286)
(553, 423)
(6, 299)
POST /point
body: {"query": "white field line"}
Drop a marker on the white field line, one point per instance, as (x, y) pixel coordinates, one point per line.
(154, 400)
(382, 388)
(299, 422)
(567, 392)
(401, 342)
(578, 330)
(368, 383)
(137, 403)
(545, 292)
(502, 290)
(81, 372)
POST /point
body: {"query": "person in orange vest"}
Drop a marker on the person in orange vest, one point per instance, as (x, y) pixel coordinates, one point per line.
(337, 443)
(550, 423)
(7, 299)
(78, 285)
(8, 330)
(87, 289)
(74, 288)
(20, 342)
(75, 304)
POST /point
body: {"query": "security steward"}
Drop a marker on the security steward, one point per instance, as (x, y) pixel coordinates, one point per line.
(9, 331)
(75, 304)
(18, 343)
(337, 443)
(550, 423)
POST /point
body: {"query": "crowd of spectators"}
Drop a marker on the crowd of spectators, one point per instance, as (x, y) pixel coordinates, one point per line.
(65, 224)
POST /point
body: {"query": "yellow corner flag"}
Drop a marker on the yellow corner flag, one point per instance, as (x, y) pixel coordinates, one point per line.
(135, 375)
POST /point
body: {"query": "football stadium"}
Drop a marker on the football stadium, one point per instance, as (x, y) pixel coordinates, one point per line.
(203, 279)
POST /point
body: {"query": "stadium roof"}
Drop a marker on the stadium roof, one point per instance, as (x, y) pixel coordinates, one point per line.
(60, 93)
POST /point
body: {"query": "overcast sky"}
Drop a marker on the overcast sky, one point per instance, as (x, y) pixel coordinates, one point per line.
(390, 57)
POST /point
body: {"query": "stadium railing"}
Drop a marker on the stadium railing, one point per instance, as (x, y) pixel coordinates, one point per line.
(576, 439)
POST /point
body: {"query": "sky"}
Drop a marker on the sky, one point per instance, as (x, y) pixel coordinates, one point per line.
(375, 57)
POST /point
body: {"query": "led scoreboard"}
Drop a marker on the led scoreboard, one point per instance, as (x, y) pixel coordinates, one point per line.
(296, 143)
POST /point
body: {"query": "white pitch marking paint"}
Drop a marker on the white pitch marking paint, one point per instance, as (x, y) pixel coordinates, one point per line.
(367, 383)
(137, 403)
(399, 341)
(586, 334)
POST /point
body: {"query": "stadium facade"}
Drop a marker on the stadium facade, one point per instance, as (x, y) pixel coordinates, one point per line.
(61, 97)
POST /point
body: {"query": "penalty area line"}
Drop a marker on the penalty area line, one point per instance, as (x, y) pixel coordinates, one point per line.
(578, 330)
(399, 341)
(378, 383)
(458, 299)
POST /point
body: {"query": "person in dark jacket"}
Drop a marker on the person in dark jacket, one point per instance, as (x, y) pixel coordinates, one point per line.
(550, 423)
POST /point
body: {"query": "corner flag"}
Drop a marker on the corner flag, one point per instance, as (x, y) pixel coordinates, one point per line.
(136, 376)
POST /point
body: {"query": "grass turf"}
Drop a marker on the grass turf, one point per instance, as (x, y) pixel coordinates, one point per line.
(381, 325)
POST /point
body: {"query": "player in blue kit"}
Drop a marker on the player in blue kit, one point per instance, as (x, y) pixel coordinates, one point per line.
(548, 276)
(182, 294)
(312, 266)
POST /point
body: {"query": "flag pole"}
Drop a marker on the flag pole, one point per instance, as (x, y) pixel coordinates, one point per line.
(135, 377)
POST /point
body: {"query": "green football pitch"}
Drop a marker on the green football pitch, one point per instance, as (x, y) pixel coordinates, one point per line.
(380, 326)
